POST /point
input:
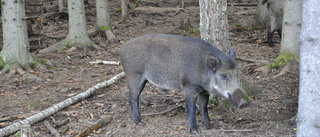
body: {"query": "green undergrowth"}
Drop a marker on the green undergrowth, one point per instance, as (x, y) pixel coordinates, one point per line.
(67, 44)
(282, 60)
(238, 24)
(2, 64)
(137, 2)
(118, 10)
(190, 31)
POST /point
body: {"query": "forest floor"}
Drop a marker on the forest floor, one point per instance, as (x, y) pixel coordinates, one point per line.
(271, 112)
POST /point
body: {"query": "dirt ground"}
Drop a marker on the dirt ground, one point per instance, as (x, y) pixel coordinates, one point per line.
(271, 112)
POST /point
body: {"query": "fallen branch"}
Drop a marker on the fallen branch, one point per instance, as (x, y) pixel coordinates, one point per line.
(50, 111)
(26, 131)
(53, 131)
(292, 66)
(235, 130)
(95, 126)
(252, 60)
(110, 36)
(163, 112)
(20, 116)
(4, 124)
(105, 62)
(60, 123)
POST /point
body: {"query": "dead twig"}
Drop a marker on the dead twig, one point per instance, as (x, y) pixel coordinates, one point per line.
(11, 118)
(26, 131)
(55, 37)
(235, 130)
(60, 123)
(105, 62)
(163, 112)
(4, 124)
(95, 126)
(252, 60)
(35, 4)
(242, 4)
(53, 131)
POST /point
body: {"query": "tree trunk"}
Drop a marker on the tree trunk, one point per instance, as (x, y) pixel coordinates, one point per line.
(124, 10)
(261, 16)
(214, 26)
(78, 23)
(308, 121)
(77, 29)
(103, 15)
(291, 27)
(15, 52)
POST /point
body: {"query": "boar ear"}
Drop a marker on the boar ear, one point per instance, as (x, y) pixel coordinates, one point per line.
(232, 54)
(212, 61)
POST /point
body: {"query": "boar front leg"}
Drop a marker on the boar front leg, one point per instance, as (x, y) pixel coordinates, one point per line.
(203, 103)
(190, 96)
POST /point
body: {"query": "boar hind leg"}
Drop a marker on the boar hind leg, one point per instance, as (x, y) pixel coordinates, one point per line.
(136, 85)
(270, 37)
(279, 32)
(190, 96)
(203, 102)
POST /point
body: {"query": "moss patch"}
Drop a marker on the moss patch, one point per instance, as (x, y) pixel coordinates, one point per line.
(105, 27)
(2, 64)
(282, 60)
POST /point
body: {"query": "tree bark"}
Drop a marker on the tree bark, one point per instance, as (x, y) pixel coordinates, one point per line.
(308, 120)
(15, 52)
(77, 29)
(103, 15)
(50, 111)
(124, 10)
(291, 27)
(214, 27)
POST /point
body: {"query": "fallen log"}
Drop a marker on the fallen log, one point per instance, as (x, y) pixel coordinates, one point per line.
(50, 111)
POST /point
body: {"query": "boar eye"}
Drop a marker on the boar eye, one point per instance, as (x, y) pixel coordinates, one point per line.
(224, 76)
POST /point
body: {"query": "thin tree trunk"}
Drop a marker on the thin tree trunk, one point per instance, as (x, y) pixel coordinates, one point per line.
(124, 10)
(50, 111)
(77, 29)
(308, 120)
(103, 15)
(291, 27)
(214, 26)
(77, 23)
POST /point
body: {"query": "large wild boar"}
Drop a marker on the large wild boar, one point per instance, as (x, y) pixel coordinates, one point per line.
(275, 11)
(180, 63)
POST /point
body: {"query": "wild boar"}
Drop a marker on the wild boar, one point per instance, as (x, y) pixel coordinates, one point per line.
(180, 63)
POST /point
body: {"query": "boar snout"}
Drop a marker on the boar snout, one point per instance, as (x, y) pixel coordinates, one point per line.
(237, 99)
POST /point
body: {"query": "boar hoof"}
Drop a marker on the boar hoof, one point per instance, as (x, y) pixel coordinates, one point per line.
(243, 105)
(194, 130)
(207, 126)
(139, 124)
